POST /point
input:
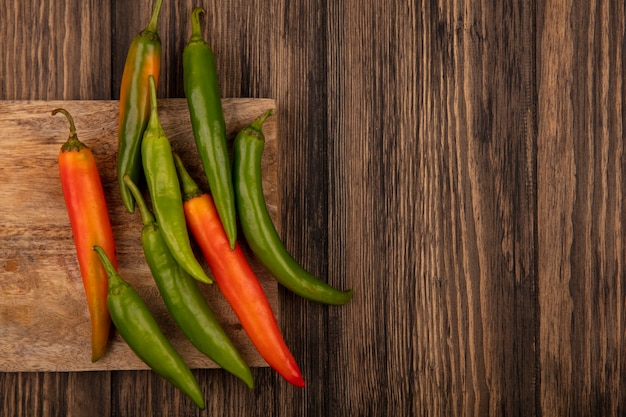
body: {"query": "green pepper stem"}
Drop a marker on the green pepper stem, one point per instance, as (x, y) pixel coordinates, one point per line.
(196, 31)
(255, 129)
(154, 18)
(190, 187)
(153, 97)
(154, 125)
(72, 143)
(258, 122)
(146, 215)
(69, 118)
(114, 277)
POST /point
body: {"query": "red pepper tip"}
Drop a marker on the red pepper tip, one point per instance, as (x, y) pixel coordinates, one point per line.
(298, 382)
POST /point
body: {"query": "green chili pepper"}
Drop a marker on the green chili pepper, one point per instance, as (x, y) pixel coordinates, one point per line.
(162, 180)
(184, 300)
(207, 120)
(143, 59)
(257, 225)
(139, 329)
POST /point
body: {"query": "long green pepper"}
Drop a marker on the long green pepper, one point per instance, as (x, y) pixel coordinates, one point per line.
(164, 188)
(139, 329)
(184, 300)
(257, 225)
(207, 120)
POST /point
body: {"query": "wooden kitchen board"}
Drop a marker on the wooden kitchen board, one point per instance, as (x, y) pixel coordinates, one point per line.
(44, 323)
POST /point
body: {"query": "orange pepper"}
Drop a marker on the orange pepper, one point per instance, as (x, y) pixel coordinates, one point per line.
(89, 219)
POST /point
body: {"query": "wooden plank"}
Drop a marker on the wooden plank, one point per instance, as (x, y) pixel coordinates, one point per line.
(302, 47)
(56, 394)
(581, 217)
(432, 198)
(44, 322)
(55, 50)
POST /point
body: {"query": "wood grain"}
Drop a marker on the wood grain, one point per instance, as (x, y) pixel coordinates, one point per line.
(459, 164)
(42, 310)
(580, 158)
(60, 50)
(303, 47)
(440, 202)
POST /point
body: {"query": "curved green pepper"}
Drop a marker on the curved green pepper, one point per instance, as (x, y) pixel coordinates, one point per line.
(139, 329)
(257, 225)
(207, 120)
(184, 300)
(143, 59)
(167, 202)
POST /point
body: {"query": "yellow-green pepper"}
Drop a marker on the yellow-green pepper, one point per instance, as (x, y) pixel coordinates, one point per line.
(167, 202)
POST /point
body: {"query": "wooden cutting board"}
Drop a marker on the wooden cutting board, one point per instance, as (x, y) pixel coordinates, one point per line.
(44, 323)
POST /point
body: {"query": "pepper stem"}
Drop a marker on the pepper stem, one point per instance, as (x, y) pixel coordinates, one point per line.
(146, 215)
(255, 129)
(114, 277)
(190, 187)
(69, 118)
(196, 31)
(154, 124)
(258, 122)
(154, 18)
(72, 143)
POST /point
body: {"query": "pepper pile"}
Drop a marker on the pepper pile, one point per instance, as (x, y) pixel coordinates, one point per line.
(180, 209)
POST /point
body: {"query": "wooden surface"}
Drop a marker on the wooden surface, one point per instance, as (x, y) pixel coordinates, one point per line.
(41, 281)
(459, 164)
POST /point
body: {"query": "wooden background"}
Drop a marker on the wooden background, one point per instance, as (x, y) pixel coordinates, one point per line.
(459, 164)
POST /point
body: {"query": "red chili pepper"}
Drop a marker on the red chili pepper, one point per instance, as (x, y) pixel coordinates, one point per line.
(236, 279)
(89, 219)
